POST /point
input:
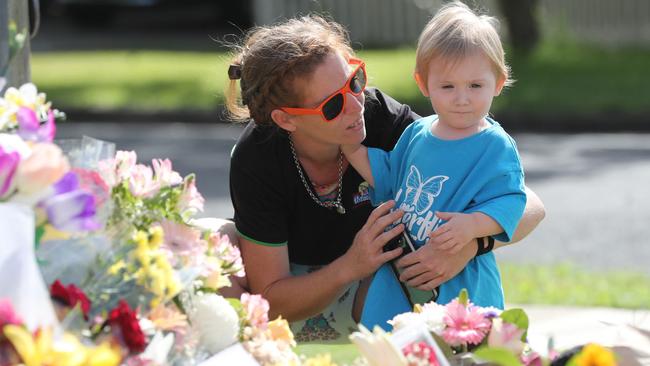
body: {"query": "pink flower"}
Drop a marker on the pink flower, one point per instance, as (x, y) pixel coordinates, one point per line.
(183, 241)
(506, 335)
(532, 359)
(465, 324)
(141, 183)
(114, 171)
(420, 353)
(45, 166)
(9, 161)
(164, 175)
(7, 314)
(30, 127)
(191, 201)
(256, 308)
(227, 252)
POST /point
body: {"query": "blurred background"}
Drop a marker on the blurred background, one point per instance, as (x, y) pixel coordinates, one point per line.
(149, 74)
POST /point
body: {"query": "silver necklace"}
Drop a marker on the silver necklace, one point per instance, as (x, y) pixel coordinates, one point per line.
(329, 204)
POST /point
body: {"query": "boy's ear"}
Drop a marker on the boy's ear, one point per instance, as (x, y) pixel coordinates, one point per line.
(501, 82)
(422, 85)
(283, 119)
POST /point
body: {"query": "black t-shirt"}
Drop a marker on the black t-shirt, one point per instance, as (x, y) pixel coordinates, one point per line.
(272, 206)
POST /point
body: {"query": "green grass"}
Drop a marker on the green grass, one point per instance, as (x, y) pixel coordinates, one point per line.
(559, 78)
(567, 284)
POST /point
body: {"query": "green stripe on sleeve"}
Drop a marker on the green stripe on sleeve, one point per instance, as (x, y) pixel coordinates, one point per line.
(261, 242)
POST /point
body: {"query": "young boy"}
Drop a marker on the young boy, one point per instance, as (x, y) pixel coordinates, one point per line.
(455, 174)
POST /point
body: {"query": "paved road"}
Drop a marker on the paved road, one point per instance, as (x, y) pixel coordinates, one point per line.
(595, 186)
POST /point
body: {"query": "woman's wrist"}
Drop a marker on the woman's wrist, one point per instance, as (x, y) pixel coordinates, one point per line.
(484, 245)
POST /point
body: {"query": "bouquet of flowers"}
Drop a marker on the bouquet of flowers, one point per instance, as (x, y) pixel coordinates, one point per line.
(33, 170)
(461, 333)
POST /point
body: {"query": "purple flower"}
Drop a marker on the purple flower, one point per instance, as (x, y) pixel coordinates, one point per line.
(70, 208)
(8, 165)
(30, 128)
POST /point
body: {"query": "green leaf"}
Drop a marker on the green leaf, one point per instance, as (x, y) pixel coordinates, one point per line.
(517, 317)
(444, 347)
(498, 356)
(463, 297)
(40, 231)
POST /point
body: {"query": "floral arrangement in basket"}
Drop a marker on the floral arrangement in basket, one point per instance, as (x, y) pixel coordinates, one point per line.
(461, 333)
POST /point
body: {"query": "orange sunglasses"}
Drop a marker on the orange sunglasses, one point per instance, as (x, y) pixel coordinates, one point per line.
(335, 103)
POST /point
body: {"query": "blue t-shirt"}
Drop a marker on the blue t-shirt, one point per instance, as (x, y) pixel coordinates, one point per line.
(425, 174)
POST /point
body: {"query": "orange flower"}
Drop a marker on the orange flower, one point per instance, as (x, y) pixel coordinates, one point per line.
(595, 355)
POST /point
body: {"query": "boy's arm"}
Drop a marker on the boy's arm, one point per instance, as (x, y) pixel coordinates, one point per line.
(357, 155)
(461, 228)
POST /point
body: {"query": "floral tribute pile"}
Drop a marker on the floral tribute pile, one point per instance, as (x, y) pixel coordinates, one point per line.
(133, 277)
(461, 333)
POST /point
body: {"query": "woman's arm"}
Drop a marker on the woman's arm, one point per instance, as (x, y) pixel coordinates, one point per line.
(534, 213)
(430, 266)
(298, 297)
(357, 155)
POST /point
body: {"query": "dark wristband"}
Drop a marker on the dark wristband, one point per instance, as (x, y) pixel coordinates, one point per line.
(485, 245)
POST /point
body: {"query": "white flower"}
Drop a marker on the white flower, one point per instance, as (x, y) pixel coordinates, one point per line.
(377, 347)
(433, 315)
(159, 348)
(216, 321)
(403, 320)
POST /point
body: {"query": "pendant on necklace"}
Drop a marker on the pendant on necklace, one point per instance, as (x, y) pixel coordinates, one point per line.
(340, 209)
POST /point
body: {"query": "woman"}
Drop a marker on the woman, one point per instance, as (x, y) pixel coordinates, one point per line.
(306, 229)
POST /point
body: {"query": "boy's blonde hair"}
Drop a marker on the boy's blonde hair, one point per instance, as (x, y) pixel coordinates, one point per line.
(456, 32)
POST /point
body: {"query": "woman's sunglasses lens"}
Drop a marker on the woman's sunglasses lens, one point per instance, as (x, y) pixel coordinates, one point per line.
(333, 107)
(358, 82)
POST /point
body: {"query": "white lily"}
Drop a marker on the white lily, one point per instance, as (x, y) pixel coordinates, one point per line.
(377, 348)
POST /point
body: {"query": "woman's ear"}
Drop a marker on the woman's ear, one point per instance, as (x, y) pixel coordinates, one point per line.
(283, 119)
(421, 85)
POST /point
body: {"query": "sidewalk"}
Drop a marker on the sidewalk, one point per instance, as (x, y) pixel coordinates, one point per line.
(625, 331)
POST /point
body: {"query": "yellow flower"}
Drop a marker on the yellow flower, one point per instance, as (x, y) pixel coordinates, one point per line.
(319, 360)
(279, 330)
(117, 267)
(595, 355)
(51, 233)
(156, 234)
(141, 240)
(104, 355)
(68, 351)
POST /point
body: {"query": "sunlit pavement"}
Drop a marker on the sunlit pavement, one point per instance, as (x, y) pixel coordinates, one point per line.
(595, 186)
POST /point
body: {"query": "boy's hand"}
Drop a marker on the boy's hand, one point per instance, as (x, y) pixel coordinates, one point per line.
(455, 233)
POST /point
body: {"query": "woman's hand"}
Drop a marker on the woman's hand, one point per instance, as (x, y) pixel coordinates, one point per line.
(366, 253)
(430, 266)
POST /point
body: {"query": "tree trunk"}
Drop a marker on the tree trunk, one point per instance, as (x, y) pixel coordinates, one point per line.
(521, 19)
(14, 66)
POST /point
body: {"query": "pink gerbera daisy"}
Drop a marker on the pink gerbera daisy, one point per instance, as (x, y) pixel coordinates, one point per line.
(465, 324)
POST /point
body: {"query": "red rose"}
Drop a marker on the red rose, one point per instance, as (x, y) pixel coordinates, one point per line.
(122, 318)
(70, 296)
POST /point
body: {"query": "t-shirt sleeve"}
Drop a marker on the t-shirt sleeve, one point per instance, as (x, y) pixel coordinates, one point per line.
(503, 198)
(387, 166)
(380, 167)
(260, 212)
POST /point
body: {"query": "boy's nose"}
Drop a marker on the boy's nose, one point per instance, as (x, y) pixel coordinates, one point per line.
(461, 98)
